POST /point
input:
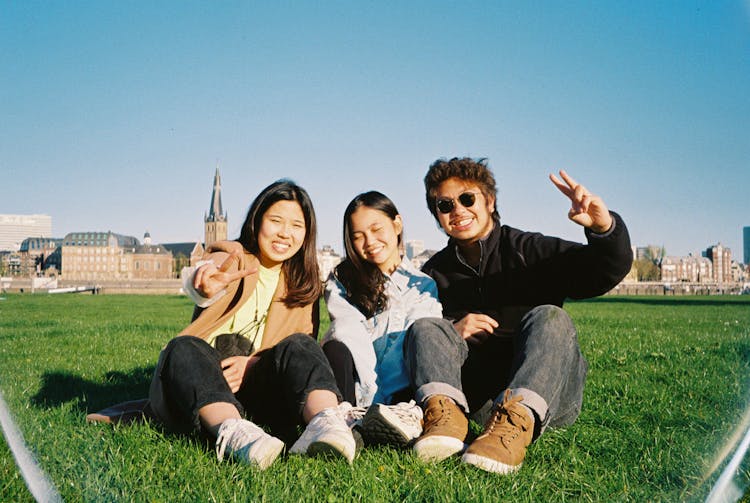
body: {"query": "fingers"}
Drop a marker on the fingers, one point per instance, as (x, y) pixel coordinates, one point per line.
(233, 371)
(241, 273)
(560, 185)
(475, 328)
(202, 273)
(224, 267)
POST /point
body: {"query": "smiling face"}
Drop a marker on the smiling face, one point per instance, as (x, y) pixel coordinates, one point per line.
(467, 225)
(281, 234)
(374, 237)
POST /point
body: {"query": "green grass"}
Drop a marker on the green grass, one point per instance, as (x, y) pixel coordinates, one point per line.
(667, 387)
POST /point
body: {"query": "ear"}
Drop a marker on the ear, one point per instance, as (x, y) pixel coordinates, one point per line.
(398, 224)
(490, 203)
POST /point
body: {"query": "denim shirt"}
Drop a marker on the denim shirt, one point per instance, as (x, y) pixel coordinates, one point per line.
(376, 343)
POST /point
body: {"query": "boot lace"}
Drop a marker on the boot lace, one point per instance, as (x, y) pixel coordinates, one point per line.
(508, 420)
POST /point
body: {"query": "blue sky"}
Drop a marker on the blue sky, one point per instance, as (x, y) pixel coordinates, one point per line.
(114, 115)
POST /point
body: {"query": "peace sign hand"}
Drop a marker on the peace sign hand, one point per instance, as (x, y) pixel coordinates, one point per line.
(587, 209)
(210, 280)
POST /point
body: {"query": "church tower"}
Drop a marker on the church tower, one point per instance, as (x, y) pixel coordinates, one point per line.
(215, 222)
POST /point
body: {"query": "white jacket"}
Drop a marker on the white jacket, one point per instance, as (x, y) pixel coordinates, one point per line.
(377, 343)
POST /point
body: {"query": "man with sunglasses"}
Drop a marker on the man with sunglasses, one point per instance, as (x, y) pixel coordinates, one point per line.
(505, 352)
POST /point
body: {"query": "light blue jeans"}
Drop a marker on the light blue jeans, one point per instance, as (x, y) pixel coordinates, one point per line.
(541, 362)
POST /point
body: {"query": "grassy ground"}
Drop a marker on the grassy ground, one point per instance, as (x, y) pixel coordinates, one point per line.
(667, 388)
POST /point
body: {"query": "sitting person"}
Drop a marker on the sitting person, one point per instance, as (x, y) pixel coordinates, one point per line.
(506, 351)
(264, 287)
(373, 297)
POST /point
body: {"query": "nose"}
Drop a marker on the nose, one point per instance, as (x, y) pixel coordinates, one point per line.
(285, 230)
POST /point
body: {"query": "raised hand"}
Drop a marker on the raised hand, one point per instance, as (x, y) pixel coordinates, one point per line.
(586, 209)
(209, 279)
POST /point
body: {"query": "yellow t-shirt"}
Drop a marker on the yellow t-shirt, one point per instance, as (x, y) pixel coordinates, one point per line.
(250, 319)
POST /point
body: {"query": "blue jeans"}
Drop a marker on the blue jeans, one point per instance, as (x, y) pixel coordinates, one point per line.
(273, 393)
(541, 361)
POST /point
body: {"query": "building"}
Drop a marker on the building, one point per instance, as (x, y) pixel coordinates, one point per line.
(328, 259)
(99, 256)
(15, 228)
(413, 248)
(215, 221)
(721, 258)
(184, 254)
(419, 260)
(746, 245)
(688, 269)
(40, 256)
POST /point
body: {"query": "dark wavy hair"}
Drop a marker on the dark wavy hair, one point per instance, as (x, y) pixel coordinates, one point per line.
(464, 168)
(363, 281)
(301, 272)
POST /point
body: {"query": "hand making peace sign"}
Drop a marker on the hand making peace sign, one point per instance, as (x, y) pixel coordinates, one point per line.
(587, 209)
(210, 280)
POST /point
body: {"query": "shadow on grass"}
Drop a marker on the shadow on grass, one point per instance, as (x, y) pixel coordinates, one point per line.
(683, 300)
(61, 387)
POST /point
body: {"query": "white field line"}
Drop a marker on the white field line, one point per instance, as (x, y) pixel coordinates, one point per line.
(39, 485)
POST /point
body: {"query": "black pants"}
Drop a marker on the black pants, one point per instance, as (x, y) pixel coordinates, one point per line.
(273, 393)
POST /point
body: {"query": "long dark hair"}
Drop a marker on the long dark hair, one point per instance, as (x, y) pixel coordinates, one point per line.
(301, 271)
(363, 281)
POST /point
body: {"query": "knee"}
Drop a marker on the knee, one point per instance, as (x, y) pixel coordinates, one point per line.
(298, 343)
(429, 326)
(551, 321)
(185, 345)
(432, 331)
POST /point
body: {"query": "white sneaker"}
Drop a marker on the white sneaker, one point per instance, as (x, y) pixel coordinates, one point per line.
(353, 416)
(397, 424)
(328, 433)
(247, 443)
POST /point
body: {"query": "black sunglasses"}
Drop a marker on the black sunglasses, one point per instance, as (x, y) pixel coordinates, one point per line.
(467, 200)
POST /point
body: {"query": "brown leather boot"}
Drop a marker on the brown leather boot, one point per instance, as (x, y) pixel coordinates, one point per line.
(445, 429)
(501, 448)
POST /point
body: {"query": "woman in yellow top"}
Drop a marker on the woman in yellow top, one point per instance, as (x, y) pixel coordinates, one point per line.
(262, 290)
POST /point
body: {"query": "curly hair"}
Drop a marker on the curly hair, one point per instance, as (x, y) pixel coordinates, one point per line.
(464, 168)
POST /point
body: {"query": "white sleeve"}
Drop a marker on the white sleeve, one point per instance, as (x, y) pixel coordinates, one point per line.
(427, 304)
(348, 326)
(188, 274)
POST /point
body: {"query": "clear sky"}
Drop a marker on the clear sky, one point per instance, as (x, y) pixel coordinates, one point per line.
(114, 115)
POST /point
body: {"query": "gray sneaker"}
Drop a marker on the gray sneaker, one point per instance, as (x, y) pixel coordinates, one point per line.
(247, 443)
(397, 425)
(328, 433)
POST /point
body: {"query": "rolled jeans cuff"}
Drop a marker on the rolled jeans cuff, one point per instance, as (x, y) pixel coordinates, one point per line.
(533, 401)
(440, 388)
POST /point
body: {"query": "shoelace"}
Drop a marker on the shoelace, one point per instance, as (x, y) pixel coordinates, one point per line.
(354, 415)
(443, 415)
(506, 422)
(225, 433)
(406, 412)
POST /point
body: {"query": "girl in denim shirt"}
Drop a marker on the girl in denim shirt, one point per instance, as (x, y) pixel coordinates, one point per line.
(373, 297)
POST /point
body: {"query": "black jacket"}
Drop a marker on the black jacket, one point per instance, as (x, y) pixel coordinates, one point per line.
(519, 270)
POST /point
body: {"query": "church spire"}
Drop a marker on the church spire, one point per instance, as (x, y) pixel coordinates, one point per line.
(216, 211)
(215, 222)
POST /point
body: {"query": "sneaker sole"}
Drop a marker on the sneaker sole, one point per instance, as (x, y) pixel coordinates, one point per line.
(489, 465)
(265, 452)
(331, 449)
(379, 428)
(438, 447)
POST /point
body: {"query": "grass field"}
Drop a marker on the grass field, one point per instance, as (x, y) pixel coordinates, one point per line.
(668, 386)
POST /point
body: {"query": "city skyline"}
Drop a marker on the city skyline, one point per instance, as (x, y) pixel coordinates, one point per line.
(116, 115)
